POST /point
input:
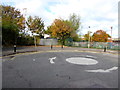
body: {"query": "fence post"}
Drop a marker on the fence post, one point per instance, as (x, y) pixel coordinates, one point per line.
(105, 48)
(51, 46)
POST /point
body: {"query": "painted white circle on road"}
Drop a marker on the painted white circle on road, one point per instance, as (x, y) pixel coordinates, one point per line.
(81, 61)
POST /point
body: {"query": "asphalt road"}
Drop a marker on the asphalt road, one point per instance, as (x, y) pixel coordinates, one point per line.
(37, 71)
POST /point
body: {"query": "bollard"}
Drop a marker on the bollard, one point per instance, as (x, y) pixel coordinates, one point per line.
(51, 46)
(104, 49)
(14, 48)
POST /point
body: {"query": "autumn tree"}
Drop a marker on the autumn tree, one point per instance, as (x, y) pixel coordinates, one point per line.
(60, 29)
(73, 23)
(100, 36)
(12, 23)
(36, 25)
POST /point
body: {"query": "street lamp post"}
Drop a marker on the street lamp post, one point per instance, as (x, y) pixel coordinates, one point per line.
(89, 38)
(111, 33)
(105, 47)
(34, 41)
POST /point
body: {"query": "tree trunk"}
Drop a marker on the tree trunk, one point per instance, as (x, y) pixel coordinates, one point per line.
(62, 43)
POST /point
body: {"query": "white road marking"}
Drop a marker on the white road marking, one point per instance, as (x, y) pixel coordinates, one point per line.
(90, 56)
(103, 71)
(51, 60)
(81, 61)
(33, 59)
(94, 52)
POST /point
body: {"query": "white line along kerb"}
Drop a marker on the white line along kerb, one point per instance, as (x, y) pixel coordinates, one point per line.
(51, 60)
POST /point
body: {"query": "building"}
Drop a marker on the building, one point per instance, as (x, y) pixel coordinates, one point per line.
(46, 36)
(116, 40)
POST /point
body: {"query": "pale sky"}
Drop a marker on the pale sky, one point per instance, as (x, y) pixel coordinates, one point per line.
(98, 14)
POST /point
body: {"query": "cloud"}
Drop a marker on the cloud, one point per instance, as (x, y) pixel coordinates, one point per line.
(99, 14)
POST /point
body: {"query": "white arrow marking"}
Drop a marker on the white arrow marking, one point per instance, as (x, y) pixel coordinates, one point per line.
(51, 60)
(103, 71)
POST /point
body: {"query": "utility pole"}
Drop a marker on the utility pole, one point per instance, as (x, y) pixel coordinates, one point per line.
(111, 33)
(35, 42)
(89, 38)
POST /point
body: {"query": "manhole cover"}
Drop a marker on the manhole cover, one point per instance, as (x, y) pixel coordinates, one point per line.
(81, 61)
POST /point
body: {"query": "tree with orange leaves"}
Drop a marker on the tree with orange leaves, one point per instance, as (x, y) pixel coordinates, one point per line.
(60, 29)
(100, 36)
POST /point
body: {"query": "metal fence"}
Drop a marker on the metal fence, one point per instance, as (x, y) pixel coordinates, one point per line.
(109, 45)
(48, 42)
(100, 45)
